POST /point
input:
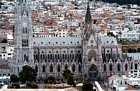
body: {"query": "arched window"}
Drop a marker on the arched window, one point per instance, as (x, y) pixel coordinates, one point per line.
(58, 68)
(72, 56)
(118, 67)
(63, 56)
(51, 56)
(104, 67)
(66, 66)
(48, 56)
(41, 56)
(136, 66)
(36, 68)
(80, 68)
(131, 65)
(110, 67)
(73, 68)
(56, 56)
(26, 58)
(126, 67)
(43, 68)
(51, 68)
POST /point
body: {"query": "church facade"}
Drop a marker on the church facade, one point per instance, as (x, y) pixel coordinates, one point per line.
(50, 56)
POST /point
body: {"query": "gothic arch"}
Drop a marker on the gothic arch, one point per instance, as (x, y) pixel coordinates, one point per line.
(93, 72)
(26, 58)
(51, 68)
(105, 68)
(136, 66)
(43, 68)
(92, 56)
(118, 67)
(80, 68)
(131, 66)
(66, 66)
(58, 68)
(36, 68)
(110, 67)
(73, 68)
(126, 67)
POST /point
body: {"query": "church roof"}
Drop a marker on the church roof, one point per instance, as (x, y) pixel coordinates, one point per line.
(57, 41)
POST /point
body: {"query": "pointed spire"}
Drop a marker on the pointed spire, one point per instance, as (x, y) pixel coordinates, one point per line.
(88, 18)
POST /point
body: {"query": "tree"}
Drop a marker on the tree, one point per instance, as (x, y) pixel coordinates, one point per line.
(93, 73)
(70, 81)
(67, 73)
(14, 78)
(69, 77)
(87, 86)
(110, 34)
(50, 80)
(27, 74)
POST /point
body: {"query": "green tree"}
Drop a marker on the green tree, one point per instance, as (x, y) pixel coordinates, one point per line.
(27, 74)
(69, 77)
(67, 73)
(70, 81)
(50, 80)
(87, 86)
(110, 34)
(14, 78)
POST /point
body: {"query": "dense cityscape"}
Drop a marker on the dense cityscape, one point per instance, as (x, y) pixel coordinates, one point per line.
(70, 45)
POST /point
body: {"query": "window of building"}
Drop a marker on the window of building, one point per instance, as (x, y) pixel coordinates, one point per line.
(26, 58)
(126, 67)
(119, 67)
(51, 68)
(104, 67)
(36, 68)
(9, 53)
(110, 67)
(136, 66)
(25, 30)
(25, 43)
(131, 66)
(73, 68)
(66, 66)
(58, 68)
(80, 68)
(43, 68)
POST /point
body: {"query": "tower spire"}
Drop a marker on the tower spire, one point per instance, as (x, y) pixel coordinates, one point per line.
(23, 34)
(88, 18)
